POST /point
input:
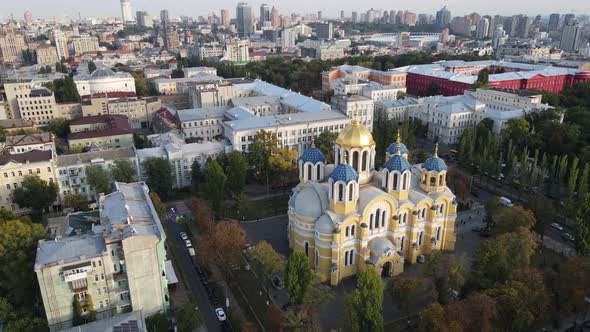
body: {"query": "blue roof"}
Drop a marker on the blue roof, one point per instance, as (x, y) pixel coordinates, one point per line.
(392, 149)
(434, 164)
(313, 155)
(397, 163)
(344, 173)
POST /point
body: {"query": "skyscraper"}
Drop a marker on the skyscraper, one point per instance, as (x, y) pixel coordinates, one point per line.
(141, 16)
(225, 17)
(571, 37)
(28, 18)
(524, 26)
(164, 23)
(126, 14)
(319, 14)
(553, 22)
(275, 19)
(342, 14)
(482, 28)
(568, 19)
(264, 14)
(244, 18)
(443, 17)
(61, 44)
(498, 37)
(355, 17)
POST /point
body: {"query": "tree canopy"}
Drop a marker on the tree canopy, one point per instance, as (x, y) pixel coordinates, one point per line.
(298, 277)
(98, 179)
(35, 193)
(214, 187)
(159, 176)
(123, 170)
(364, 307)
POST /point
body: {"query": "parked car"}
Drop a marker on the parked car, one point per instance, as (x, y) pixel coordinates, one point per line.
(188, 243)
(277, 281)
(220, 314)
(183, 236)
(557, 226)
(506, 202)
(478, 229)
(568, 237)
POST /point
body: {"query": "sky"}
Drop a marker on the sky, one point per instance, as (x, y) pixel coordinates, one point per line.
(330, 8)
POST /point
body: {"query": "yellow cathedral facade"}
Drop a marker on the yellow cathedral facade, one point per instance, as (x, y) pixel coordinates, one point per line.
(348, 215)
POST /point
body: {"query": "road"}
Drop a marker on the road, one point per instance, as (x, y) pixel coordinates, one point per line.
(191, 277)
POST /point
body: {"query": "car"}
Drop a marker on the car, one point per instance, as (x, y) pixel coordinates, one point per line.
(478, 229)
(183, 236)
(172, 209)
(247, 267)
(188, 243)
(277, 281)
(568, 237)
(220, 314)
(557, 226)
(485, 233)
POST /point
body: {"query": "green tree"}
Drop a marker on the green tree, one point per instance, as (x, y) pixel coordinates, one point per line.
(65, 90)
(214, 186)
(271, 261)
(35, 193)
(196, 176)
(188, 316)
(76, 202)
(158, 205)
(59, 127)
(433, 89)
(6, 214)
(446, 272)
(404, 291)
(159, 176)
(123, 170)
(517, 130)
(364, 307)
(91, 67)
(98, 179)
(236, 170)
(325, 142)
(158, 322)
(18, 240)
(582, 226)
(298, 277)
(509, 219)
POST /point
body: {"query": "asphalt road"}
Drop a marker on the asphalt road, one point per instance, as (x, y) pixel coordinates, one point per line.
(190, 275)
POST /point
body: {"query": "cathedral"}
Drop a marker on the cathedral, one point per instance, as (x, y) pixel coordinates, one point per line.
(348, 215)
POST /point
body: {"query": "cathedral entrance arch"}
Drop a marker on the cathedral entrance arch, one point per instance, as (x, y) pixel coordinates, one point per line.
(386, 270)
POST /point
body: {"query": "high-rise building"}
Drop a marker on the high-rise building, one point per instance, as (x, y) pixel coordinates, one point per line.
(288, 37)
(482, 29)
(355, 17)
(443, 17)
(571, 37)
(11, 48)
(319, 14)
(140, 16)
(61, 44)
(444, 36)
(524, 26)
(165, 28)
(28, 18)
(409, 18)
(342, 14)
(245, 20)
(325, 31)
(275, 19)
(553, 22)
(498, 37)
(569, 19)
(264, 14)
(225, 17)
(126, 13)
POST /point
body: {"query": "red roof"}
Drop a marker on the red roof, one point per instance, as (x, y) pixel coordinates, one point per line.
(113, 94)
(118, 125)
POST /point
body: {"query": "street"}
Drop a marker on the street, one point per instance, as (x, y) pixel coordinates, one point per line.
(191, 278)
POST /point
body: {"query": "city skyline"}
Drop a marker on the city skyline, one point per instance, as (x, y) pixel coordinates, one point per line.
(72, 8)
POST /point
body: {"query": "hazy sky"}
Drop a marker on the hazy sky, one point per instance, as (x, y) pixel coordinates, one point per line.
(330, 8)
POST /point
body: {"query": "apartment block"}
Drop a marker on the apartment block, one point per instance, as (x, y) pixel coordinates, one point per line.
(46, 55)
(139, 111)
(38, 105)
(117, 262)
(11, 47)
(354, 106)
(24, 143)
(100, 131)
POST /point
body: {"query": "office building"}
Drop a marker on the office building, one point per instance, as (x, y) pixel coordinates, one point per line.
(288, 37)
(236, 50)
(225, 17)
(355, 17)
(139, 111)
(275, 19)
(100, 132)
(553, 22)
(571, 37)
(84, 43)
(46, 55)
(61, 44)
(359, 107)
(264, 14)
(142, 19)
(245, 21)
(38, 106)
(126, 12)
(325, 31)
(117, 264)
(443, 17)
(12, 46)
(164, 23)
(482, 29)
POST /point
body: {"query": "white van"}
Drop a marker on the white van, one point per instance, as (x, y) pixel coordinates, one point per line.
(506, 202)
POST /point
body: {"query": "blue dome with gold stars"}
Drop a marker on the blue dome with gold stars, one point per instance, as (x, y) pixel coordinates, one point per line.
(344, 173)
(435, 164)
(313, 155)
(397, 163)
(392, 149)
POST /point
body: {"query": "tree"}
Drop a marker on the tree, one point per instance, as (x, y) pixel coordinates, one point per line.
(196, 176)
(214, 186)
(188, 316)
(404, 291)
(236, 170)
(582, 226)
(433, 318)
(260, 150)
(98, 179)
(123, 170)
(325, 142)
(158, 205)
(509, 219)
(18, 240)
(59, 127)
(35, 193)
(298, 277)
(91, 67)
(446, 272)
(433, 89)
(177, 73)
(282, 169)
(76, 202)
(157, 323)
(364, 307)
(6, 214)
(202, 215)
(159, 176)
(223, 243)
(65, 90)
(517, 130)
(271, 261)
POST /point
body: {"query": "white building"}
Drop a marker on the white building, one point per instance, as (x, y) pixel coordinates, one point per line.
(396, 109)
(126, 12)
(119, 263)
(237, 50)
(24, 143)
(378, 92)
(104, 80)
(201, 123)
(354, 106)
(38, 105)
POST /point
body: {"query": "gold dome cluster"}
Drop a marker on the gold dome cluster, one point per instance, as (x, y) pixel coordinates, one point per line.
(355, 136)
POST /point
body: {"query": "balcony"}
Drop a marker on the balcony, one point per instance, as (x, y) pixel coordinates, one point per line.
(119, 276)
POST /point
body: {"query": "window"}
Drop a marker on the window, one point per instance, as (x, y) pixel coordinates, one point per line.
(307, 249)
(420, 237)
(309, 172)
(352, 230)
(383, 219)
(340, 192)
(350, 192)
(395, 181)
(405, 181)
(317, 258)
(347, 231)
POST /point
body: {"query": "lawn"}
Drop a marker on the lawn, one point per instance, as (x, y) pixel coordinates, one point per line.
(257, 209)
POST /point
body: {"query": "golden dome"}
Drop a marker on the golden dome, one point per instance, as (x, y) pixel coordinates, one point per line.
(355, 136)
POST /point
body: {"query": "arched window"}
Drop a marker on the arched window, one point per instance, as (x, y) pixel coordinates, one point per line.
(395, 180)
(440, 179)
(307, 249)
(383, 219)
(402, 240)
(351, 257)
(371, 221)
(352, 230)
(438, 233)
(387, 181)
(420, 238)
(318, 173)
(405, 181)
(337, 157)
(340, 192)
(377, 215)
(350, 192)
(346, 258)
(433, 180)
(347, 230)
(317, 258)
(309, 172)
(365, 159)
(355, 161)
(441, 208)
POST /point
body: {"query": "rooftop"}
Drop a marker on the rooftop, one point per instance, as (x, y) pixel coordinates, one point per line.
(69, 249)
(37, 138)
(193, 114)
(128, 322)
(32, 156)
(117, 125)
(89, 157)
(284, 120)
